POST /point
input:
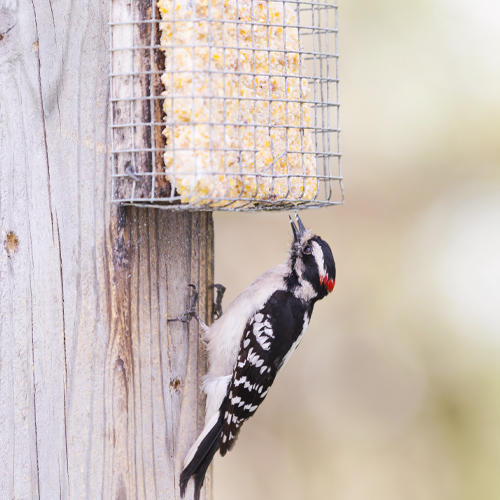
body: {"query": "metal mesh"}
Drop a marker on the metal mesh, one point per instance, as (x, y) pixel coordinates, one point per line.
(224, 104)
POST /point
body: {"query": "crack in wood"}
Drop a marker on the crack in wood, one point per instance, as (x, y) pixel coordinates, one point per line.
(44, 125)
(64, 348)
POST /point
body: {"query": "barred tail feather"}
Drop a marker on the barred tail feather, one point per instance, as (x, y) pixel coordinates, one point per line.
(200, 455)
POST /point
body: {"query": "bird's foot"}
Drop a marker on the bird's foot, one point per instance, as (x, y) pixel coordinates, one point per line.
(190, 313)
(218, 300)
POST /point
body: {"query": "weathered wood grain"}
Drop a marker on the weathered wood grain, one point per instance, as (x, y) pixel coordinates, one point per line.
(98, 393)
(133, 66)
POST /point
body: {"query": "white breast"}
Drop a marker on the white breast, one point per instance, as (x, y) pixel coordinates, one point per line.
(224, 336)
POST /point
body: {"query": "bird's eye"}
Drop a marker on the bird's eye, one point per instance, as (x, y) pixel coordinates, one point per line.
(307, 250)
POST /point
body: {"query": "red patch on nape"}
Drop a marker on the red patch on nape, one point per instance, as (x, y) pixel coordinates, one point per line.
(329, 284)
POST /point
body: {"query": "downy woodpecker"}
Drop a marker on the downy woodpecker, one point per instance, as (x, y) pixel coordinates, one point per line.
(250, 343)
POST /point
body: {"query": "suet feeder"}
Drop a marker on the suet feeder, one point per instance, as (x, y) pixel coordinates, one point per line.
(225, 104)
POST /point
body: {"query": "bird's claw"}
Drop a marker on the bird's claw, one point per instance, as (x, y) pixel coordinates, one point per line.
(218, 300)
(190, 313)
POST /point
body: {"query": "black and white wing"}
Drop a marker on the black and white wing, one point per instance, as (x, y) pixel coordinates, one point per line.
(269, 339)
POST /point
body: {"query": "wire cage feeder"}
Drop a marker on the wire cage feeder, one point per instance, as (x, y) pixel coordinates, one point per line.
(224, 104)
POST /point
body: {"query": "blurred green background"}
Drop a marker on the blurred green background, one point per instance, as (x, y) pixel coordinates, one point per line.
(394, 392)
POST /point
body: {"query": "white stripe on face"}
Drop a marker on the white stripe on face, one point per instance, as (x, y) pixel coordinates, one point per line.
(318, 255)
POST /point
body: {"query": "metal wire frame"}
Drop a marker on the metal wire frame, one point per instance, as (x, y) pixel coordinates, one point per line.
(139, 176)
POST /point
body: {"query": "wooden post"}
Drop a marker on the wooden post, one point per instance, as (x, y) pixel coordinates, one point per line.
(99, 395)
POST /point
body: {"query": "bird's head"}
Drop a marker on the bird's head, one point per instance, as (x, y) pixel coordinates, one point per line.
(312, 268)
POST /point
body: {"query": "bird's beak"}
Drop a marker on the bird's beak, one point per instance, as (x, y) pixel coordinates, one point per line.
(299, 223)
(299, 229)
(296, 234)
